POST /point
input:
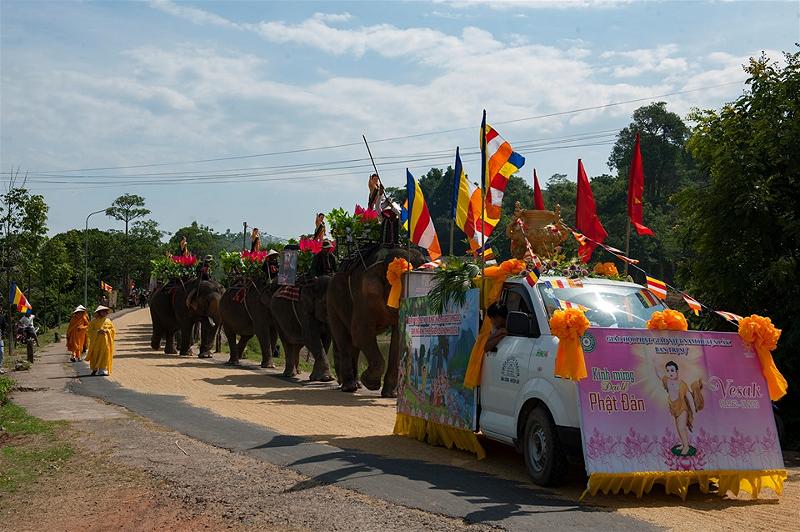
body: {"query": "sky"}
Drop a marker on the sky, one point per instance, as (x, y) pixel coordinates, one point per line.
(231, 112)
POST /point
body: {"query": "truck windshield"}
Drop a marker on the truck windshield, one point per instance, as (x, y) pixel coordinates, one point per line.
(605, 305)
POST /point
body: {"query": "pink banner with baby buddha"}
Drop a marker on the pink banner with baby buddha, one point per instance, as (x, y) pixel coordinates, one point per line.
(676, 407)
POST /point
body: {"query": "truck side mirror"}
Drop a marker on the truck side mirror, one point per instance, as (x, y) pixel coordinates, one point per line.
(521, 324)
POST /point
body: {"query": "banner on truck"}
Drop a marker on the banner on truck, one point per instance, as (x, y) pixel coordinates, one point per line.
(435, 351)
(660, 401)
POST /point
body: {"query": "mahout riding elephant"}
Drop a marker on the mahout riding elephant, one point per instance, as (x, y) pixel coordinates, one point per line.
(357, 313)
(245, 312)
(305, 322)
(198, 300)
(165, 324)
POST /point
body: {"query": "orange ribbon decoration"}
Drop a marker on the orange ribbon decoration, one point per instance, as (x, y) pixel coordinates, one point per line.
(668, 320)
(495, 277)
(394, 274)
(762, 335)
(569, 325)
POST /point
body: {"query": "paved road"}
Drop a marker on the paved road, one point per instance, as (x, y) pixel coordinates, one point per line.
(475, 497)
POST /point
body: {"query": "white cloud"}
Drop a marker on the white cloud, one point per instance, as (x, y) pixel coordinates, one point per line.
(195, 15)
(535, 4)
(653, 60)
(333, 17)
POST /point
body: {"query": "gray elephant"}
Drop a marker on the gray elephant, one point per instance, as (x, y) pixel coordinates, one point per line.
(198, 300)
(245, 312)
(305, 322)
(165, 324)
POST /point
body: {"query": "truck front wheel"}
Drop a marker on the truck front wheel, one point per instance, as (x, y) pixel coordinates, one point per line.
(543, 455)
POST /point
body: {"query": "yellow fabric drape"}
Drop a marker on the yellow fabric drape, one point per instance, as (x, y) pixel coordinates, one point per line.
(76, 333)
(760, 333)
(102, 334)
(438, 434)
(394, 274)
(668, 320)
(569, 325)
(678, 482)
(495, 277)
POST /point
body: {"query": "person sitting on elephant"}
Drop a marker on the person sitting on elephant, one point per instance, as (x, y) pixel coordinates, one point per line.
(319, 227)
(324, 262)
(203, 269)
(375, 193)
(183, 250)
(255, 241)
(270, 266)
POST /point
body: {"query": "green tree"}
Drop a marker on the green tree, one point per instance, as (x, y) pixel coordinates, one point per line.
(743, 228)
(127, 208)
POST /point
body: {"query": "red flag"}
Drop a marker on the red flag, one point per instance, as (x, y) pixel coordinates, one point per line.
(636, 189)
(587, 221)
(538, 200)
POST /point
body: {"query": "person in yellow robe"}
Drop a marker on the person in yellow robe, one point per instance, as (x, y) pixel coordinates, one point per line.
(76, 332)
(101, 334)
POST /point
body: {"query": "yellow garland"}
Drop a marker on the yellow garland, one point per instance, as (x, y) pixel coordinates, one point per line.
(394, 274)
(668, 320)
(678, 482)
(569, 325)
(762, 335)
(438, 434)
(607, 269)
(495, 277)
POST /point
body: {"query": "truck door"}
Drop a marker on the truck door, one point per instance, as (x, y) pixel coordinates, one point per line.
(506, 370)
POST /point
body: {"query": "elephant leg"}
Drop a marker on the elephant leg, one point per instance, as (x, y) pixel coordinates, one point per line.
(155, 339)
(346, 370)
(231, 337)
(169, 343)
(266, 349)
(393, 365)
(186, 340)
(208, 331)
(292, 359)
(364, 337)
(318, 347)
(273, 338)
(242, 345)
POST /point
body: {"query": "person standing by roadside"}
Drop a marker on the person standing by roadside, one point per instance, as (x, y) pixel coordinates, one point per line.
(76, 332)
(102, 334)
(2, 336)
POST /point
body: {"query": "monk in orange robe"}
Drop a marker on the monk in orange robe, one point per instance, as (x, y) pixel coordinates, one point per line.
(76, 333)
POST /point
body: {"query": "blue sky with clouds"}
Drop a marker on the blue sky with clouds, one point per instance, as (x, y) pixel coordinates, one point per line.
(117, 84)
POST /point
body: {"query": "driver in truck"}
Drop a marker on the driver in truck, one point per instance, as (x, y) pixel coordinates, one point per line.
(497, 313)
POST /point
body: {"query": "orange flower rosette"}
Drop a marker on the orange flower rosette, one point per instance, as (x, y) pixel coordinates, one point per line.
(569, 325)
(394, 274)
(668, 320)
(606, 269)
(762, 335)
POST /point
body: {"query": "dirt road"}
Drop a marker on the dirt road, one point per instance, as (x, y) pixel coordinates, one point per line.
(364, 422)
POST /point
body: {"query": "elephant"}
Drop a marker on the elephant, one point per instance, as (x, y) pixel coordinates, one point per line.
(165, 324)
(357, 313)
(248, 314)
(198, 300)
(305, 322)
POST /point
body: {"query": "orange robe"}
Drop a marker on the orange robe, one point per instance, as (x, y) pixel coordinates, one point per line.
(101, 344)
(76, 333)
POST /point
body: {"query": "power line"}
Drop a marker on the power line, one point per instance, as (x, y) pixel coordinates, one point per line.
(401, 137)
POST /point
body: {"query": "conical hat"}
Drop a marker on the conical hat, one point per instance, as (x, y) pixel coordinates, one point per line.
(101, 307)
(79, 308)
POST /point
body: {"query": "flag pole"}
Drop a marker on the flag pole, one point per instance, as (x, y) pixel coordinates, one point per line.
(410, 221)
(483, 211)
(627, 245)
(380, 181)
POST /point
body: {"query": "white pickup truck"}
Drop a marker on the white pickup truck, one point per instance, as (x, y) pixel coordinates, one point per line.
(521, 402)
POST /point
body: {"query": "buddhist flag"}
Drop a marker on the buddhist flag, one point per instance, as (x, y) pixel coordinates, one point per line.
(693, 304)
(730, 316)
(636, 189)
(569, 304)
(538, 200)
(659, 288)
(587, 221)
(420, 225)
(532, 276)
(466, 209)
(105, 287)
(19, 300)
(501, 163)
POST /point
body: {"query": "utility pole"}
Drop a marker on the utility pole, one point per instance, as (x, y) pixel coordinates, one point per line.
(244, 235)
(86, 259)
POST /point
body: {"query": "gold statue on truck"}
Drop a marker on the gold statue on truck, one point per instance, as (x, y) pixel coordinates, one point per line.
(544, 230)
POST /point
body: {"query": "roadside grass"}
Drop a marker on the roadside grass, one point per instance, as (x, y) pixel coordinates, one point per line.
(29, 446)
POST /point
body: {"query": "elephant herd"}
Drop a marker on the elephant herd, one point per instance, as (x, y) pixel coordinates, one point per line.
(346, 311)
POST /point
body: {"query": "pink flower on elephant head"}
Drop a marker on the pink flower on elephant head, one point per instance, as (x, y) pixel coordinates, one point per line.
(366, 215)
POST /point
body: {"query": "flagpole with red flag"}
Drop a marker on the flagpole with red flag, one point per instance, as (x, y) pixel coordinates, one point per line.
(538, 200)
(635, 193)
(586, 219)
